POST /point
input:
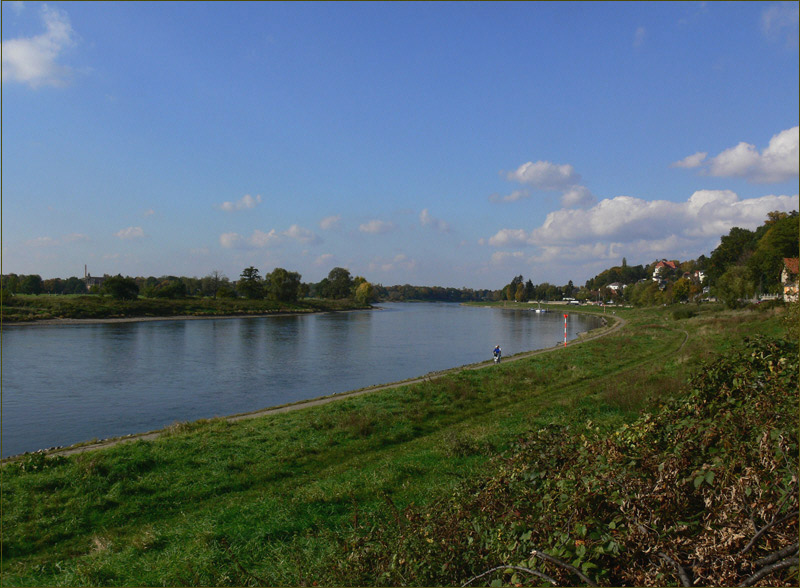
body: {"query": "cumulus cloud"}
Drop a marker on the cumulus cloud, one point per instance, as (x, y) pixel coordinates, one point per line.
(330, 222)
(778, 162)
(376, 227)
(691, 161)
(244, 203)
(577, 197)
(34, 60)
(544, 175)
(261, 239)
(549, 177)
(640, 225)
(428, 221)
(130, 233)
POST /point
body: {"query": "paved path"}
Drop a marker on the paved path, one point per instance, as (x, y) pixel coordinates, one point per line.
(601, 332)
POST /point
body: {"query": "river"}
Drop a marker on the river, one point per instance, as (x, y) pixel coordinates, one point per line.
(65, 384)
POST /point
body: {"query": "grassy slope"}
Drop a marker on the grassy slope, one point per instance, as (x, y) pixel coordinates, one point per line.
(261, 501)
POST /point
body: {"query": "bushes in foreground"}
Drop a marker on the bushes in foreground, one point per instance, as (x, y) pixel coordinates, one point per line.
(701, 492)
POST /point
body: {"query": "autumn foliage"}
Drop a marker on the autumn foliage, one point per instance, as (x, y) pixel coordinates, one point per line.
(701, 492)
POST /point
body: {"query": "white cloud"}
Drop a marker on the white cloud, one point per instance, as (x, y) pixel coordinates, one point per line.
(513, 197)
(34, 60)
(691, 161)
(550, 177)
(230, 240)
(326, 259)
(244, 203)
(399, 262)
(640, 225)
(302, 235)
(330, 222)
(505, 237)
(778, 162)
(544, 175)
(501, 257)
(428, 221)
(130, 233)
(576, 244)
(376, 227)
(577, 197)
(260, 239)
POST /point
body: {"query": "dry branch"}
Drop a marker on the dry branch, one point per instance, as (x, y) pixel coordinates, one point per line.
(685, 581)
(564, 565)
(517, 568)
(786, 563)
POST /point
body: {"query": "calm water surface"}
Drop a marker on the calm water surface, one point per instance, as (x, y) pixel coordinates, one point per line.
(66, 384)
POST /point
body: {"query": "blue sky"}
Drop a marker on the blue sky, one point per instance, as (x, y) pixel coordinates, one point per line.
(453, 144)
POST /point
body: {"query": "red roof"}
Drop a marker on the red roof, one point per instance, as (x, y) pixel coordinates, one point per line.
(791, 264)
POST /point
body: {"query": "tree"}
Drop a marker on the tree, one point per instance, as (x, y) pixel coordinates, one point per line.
(32, 284)
(519, 295)
(339, 283)
(210, 284)
(282, 285)
(779, 240)
(250, 284)
(734, 286)
(120, 288)
(364, 293)
(681, 290)
(731, 250)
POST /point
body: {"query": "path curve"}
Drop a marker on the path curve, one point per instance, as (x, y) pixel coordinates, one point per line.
(150, 435)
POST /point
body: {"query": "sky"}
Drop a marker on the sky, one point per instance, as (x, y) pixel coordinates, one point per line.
(449, 144)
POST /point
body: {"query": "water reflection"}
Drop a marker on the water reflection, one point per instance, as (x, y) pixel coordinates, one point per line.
(67, 384)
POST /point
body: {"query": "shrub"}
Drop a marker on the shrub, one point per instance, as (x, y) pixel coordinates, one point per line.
(676, 494)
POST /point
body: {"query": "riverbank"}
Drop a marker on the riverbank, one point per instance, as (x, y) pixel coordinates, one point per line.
(609, 325)
(55, 310)
(279, 499)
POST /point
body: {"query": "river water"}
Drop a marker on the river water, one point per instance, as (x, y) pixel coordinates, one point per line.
(71, 383)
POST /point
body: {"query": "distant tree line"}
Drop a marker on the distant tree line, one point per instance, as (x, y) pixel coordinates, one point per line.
(746, 263)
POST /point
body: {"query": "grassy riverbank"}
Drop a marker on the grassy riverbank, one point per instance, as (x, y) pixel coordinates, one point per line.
(30, 308)
(322, 494)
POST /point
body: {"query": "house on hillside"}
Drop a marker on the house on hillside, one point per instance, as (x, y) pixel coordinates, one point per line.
(789, 278)
(663, 266)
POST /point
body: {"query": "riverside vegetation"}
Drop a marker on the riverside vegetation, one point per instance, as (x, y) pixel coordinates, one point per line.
(664, 453)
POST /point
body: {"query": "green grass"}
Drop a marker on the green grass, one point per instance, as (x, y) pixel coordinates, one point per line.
(264, 501)
(24, 308)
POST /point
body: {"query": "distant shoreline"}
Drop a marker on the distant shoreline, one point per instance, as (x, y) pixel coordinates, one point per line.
(64, 322)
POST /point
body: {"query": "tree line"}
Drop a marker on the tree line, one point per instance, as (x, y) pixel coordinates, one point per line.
(745, 264)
